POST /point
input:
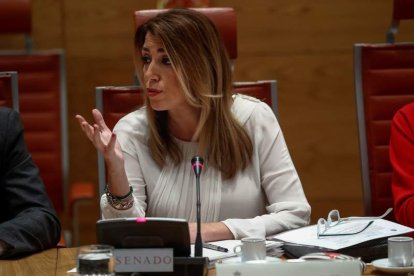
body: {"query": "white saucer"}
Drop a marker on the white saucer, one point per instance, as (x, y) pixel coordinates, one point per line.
(238, 260)
(383, 265)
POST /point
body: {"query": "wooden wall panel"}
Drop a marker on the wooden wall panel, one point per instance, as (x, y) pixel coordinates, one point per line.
(47, 29)
(317, 115)
(308, 47)
(305, 45)
(309, 27)
(99, 43)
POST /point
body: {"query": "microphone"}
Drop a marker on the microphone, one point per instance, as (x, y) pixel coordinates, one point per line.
(197, 164)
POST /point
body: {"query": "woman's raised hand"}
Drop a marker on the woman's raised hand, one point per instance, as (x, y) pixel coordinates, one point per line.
(101, 136)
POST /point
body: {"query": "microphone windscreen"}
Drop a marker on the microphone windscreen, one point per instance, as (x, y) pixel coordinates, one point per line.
(197, 163)
(197, 159)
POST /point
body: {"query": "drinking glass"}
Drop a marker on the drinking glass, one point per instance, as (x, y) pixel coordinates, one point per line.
(400, 251)
(95, 259)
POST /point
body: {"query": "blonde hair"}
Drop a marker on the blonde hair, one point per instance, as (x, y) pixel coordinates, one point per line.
(203, 69)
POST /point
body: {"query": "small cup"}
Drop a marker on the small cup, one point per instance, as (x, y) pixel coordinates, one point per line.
(400, 251)
(95, 259)
(251, 249)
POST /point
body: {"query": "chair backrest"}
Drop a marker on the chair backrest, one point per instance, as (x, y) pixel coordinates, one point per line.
(16, 18)
(42, 104)
(223, 17)
(9, 88)
(264, 90)
(402, 10)
(116, 101)
(384, 82)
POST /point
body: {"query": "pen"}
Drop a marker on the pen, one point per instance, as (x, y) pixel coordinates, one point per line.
(215, 247)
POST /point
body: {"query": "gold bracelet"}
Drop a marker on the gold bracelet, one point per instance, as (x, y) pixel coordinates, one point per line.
(120, 202)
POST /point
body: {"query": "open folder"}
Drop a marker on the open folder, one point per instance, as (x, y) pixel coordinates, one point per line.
(369, 244)
(273, 248)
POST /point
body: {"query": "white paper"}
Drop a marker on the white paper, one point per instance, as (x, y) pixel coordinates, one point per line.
(380, 228)
(273, 249)
(73, 270)
(309, 268)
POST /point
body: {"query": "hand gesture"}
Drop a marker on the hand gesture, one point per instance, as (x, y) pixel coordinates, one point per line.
(102, 137)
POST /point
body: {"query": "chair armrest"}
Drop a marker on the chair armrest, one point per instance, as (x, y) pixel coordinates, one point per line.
(62, 242)
(80, 191)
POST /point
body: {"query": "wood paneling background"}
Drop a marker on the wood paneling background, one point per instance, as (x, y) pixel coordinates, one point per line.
(305, 45)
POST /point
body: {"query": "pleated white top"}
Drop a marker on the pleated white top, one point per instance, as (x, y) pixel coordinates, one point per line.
(264, 199)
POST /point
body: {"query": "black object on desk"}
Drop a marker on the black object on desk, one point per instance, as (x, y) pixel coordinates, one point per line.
(152, 232)
(147, 232)
(215, 247)
(367, 251)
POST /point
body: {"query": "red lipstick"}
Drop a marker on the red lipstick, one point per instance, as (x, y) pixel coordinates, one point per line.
(151, 92)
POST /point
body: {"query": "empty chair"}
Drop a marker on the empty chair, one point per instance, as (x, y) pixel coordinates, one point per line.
(16, 18)
(384, 82)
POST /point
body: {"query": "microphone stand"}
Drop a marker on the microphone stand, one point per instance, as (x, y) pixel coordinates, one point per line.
(197, 265)
(198, 246)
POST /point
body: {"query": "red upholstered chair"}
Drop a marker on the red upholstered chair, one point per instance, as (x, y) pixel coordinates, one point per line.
(16, 18)
(116, 101)
(264, 90)
(402, 10)
(384, 82)
(43, 108)
(224, 18)
(9, 88)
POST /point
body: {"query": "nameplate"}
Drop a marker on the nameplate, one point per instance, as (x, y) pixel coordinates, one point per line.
(309, 268)
(144, 260)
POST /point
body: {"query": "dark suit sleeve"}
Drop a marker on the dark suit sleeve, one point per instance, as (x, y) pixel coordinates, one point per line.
(28, 222)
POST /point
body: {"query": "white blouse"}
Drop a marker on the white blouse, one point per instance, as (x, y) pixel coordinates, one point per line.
(264, 199)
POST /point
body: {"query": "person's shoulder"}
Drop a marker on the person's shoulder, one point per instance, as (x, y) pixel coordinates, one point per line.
(244, 107)
(8, 116)
(6, 112)
(404, 114)
(407, 109)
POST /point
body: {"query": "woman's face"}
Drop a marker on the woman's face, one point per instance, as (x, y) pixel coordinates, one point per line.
(163, 89)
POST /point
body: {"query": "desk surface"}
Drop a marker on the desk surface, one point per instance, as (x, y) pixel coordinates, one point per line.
(43, 263)
(63, 259)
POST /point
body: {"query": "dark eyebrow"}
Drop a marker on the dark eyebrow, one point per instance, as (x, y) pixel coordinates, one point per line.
(159, 50)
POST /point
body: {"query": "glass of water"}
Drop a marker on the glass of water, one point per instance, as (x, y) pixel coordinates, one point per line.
(95, 259)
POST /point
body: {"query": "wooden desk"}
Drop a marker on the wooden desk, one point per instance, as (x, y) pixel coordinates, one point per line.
(66, 260)
(43, 263)
(63, 259)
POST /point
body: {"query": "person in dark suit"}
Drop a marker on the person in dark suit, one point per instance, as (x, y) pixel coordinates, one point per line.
(28, 221)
